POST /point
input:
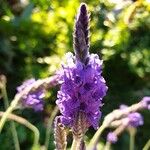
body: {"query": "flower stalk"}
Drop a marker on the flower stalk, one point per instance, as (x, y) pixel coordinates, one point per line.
(76, 144)
(113, 119)
(78, 130)
(96, 136)
(147, 145)
(107, 146)
(6, 103)
(132, 133)
(60, 135)
(82, 145)
(25, 123)
(49, 127)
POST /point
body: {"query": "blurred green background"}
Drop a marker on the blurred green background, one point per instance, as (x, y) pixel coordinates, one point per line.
(35, 35)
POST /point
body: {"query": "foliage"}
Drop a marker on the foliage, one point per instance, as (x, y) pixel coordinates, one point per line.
(35, 35)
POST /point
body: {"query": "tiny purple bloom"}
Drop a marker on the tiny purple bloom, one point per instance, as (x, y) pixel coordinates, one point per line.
(34, 99)
(135, 118)
(82, 90)
(146, 102)
(111, 137)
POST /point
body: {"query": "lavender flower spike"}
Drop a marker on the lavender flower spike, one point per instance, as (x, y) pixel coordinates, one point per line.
(82, 90)
(33, 99)
(82, 85)
(81, 34)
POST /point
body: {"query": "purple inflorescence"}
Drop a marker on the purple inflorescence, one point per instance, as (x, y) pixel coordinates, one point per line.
(135, 119)
(82, 90)
(111, 137)
(146, 102)
(34, 99)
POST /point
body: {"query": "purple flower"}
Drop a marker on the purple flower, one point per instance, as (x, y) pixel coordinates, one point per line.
(82, 90)
(33, 99)
(135, 119)
(112, 137)
(82, 85)
(146, 102)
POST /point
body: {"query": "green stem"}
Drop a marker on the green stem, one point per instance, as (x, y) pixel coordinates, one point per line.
(147, 145)
(36, 133)
(8, 111)
(15, 136)
(76, 144)
(49, 127)
(4, 117)
(107, 146)
(132, 132)
(96, 137)
(27, 124)
(131, 142)
(12, 124)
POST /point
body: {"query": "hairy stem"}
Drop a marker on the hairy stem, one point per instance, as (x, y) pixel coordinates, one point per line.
(60, 135)
(49, 127)
(82, 145)
(80, 126)
(76, 144)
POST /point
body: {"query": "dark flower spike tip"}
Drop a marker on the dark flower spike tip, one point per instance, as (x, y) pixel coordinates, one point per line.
(81, 34)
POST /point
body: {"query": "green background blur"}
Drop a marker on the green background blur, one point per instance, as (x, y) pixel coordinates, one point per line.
(35, 35)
